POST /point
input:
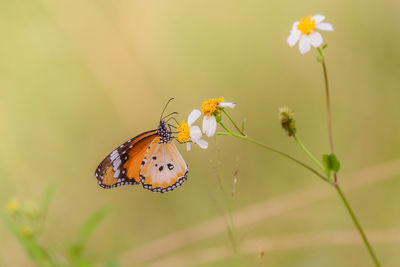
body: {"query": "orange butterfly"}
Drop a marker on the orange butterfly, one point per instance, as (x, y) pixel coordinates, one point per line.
(150, 159)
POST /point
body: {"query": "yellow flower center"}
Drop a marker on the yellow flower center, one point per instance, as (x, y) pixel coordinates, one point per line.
(183, 132)
(210, 106)
(307, 25)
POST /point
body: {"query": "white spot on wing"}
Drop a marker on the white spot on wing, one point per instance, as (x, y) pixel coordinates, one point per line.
(116, 174)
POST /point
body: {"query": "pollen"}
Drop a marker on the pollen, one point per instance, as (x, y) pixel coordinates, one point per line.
(307, 25)
(210, 106)
(183, 132)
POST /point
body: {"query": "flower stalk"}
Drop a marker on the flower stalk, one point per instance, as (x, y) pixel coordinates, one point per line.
(358, 225)
(233, 123)
(308, 153)
(356, 222)
(265, 146)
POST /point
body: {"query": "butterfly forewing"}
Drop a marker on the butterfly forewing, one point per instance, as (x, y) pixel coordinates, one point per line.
(123, 164)
(163, 168)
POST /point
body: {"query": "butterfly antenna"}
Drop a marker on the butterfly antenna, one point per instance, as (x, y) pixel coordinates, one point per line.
(172, 118)
(172, 113)
(165, 107)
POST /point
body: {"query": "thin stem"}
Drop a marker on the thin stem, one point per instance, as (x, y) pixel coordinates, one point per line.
(309, 154)
(234, 124)
(358, 226)
(250, 140)
(336, 185)
(231, 226)
(328, 107)
(225, 128)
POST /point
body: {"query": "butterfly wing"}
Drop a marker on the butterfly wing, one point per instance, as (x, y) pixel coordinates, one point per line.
(164, 169)
(122, 166)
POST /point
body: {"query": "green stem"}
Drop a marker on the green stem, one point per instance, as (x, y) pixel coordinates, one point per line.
(250, 140)
(358, 226)
(336, 185)
(226, 129)
(234, 124)
(311, 156)
(328, 105)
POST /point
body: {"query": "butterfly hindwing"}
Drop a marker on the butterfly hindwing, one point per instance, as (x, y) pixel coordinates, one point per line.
(163, 168)
(122, 166)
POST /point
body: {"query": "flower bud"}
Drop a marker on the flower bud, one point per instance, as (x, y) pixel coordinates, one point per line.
(288, 123)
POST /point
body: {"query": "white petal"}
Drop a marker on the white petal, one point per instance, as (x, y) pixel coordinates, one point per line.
(227, 104)
(315, 39)
(294, 27)
(304, 45)
(188, 146)
(195, 132)
(209, 125)
(324, 26)
(293, 37)
(202, 143)
(318, 18)
(193, 116)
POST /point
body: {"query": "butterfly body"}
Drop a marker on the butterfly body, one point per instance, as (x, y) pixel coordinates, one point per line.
(150, 159)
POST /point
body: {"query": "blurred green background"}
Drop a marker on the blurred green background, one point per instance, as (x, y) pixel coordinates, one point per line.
(78, 78)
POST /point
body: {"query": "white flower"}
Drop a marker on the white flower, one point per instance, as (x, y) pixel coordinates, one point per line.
(186, 131)
(210, 108)
(305, 31)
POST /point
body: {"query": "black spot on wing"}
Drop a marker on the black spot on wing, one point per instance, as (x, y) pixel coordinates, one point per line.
(170, 166)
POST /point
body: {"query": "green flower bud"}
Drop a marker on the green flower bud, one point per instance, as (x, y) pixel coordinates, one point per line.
(286, 118)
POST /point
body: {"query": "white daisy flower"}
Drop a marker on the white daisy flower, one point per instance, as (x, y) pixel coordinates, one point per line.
(210, 108)
(305, 31)
(186, 131)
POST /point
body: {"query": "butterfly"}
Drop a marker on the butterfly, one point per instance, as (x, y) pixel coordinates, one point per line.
(150, 159)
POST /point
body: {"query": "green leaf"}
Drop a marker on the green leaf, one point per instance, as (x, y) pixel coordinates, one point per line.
(331, 163)
(86, 230)
(243, 124)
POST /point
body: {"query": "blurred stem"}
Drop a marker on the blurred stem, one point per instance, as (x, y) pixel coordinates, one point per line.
(255, 142)
(358, 225)
(336, 185)
(309, 154)
(234, 124)
(230, 223)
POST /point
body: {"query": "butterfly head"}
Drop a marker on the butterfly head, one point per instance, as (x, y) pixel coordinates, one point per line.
(164, 133)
